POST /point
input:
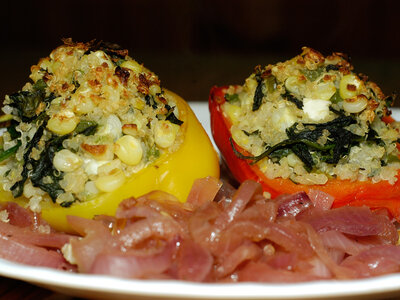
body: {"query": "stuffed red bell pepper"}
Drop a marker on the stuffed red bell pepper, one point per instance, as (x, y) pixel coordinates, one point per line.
(311, 123)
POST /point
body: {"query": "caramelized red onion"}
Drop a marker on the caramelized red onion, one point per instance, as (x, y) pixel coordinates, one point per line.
(26, 238)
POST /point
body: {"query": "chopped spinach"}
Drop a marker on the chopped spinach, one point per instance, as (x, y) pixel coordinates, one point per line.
(66, 204)
(12, 131)
(86, 128)
(302, 152)
(339, 142)
(279, 153)
(27, 102)
(42, 172)
(40, 85)
(372, 136)
(150, 101)
(76, 84)
(44, 175)
(331, 68)
(171, 116)
(292, 98)
(389, 100)
(304, 143)
(255, 132)
(115, 51)
(173, 119)
(258, 94)
(18, 187)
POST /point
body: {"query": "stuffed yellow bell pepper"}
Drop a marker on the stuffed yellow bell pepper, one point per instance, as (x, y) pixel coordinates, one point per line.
(95, 127)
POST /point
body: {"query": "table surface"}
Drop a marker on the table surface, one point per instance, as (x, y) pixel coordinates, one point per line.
(11, 289)
(16, 289)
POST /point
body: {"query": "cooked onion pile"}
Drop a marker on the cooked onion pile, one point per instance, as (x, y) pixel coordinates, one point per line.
(26, 238)
(219, 235)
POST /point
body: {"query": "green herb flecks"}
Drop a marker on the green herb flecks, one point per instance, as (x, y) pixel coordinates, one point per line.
(4, 154)
(312, 75)
(234, 98)
(152, 153)
(120, 61)
(336, 97)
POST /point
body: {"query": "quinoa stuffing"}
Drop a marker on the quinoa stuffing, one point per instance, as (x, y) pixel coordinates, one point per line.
(313, 118)
(90, 117)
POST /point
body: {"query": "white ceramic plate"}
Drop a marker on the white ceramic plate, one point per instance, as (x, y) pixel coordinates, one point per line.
(105, 287)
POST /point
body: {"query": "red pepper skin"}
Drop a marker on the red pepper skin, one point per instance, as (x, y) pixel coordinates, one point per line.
(346, 192)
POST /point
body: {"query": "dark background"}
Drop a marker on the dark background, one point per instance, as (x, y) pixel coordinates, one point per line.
(193, 45)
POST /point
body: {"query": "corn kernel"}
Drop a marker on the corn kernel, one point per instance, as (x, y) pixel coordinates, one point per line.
(63, 122)
(233, 112)
(110, 182)
(355, 104)
(132, 65)
(324, 90)
(139, 104)
(295, 85)
(165, 133)
(251, 83)
(240, 137)
(129, 150)
(81, 102)
(293, 160)
(109, 166)
(66, 161)
(155, 89)
(350, 86)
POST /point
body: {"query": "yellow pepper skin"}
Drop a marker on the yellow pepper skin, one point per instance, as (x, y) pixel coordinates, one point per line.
(173, 172)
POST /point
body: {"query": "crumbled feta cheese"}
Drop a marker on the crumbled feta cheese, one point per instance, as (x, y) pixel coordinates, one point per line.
(91, 165)
(316, 109)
